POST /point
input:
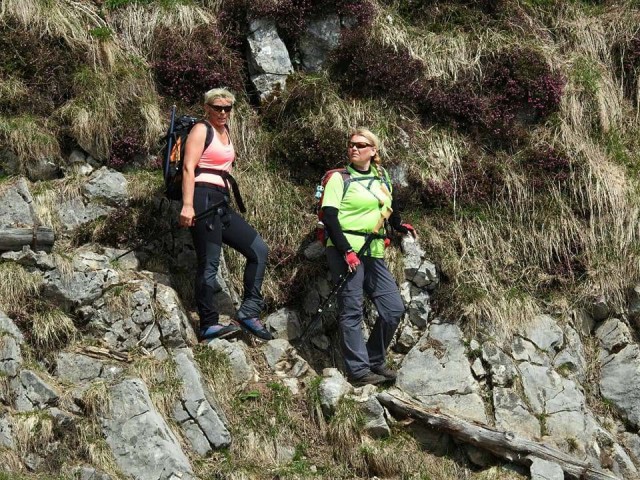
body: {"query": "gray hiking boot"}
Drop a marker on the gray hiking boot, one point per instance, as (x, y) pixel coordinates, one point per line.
(368, 378)
(385, 372)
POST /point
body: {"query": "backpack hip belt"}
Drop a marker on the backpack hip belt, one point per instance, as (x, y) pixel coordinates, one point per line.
(230, 183)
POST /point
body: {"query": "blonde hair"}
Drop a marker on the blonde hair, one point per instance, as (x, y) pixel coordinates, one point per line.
(373, 139)
(216, 93)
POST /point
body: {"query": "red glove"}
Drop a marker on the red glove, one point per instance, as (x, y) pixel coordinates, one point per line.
(387, 242)
(409, 229)
(352, 260)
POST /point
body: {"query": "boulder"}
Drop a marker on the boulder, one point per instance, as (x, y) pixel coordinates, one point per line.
(544, 333)
(30, 392)
(268, 58)
(620, 369)
(545, 470)
(322, 35)
(331, 390)
(437, 373)
(284, 323)
(143, 445)
(74, 213)
(196, 411)
(242, 371)
(108, 186)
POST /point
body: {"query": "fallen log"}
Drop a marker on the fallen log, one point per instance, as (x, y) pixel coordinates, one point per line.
(505, 445)
(38, 238)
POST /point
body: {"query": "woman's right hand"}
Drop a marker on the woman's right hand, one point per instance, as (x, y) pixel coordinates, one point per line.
(187, 217)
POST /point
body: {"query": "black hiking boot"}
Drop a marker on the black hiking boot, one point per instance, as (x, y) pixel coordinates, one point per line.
(368, 378)
(218, 331)
(385, 372)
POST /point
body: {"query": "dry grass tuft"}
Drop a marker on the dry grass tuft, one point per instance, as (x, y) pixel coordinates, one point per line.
(161, 376)
(96, 401)
(136, 23)
(94, 114)
(18, 287)
(32, 431)
(51, 328)
(29, 139)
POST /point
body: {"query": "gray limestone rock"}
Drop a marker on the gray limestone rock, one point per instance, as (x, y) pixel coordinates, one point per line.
(421, 272)
(547, 392)
(284, 360)
(30, 259)
(407, 339)
(375, 423)
(197, 412)
(544, 333)
(142, 313)
(16, 205)
(241, 369)
(10, 356)
(501, 367)
(108, 186)
(600, 309)
(268, 58)
(545, 470)
(314, 250)
(631, 441)
(437, 373)
(321, 36)
(622, 463)
(431, 440)
(74, 213)
(7, 327)
(75, 368)
(525, 350)
(6, 435)
(614, 335)
(512, 414)
(86, 283)
(620, 382)
(89, 473)
(31, 392)
(571, 360)
(620, 369)
(419, 308)
(143, 445)
(331, 389)
(285, 323)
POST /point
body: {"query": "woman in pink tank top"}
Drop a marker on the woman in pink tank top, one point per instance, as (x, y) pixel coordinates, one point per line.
(208, 160)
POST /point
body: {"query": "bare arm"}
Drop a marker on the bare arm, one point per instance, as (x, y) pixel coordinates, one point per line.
(192, 153)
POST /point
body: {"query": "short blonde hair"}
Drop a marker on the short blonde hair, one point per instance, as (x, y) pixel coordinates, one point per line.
(373, 139)
(216, 93)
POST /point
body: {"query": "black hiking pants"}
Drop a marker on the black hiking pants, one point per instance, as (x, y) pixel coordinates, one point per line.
(225, 226)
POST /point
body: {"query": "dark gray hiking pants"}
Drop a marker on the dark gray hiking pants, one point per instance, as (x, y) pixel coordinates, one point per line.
(208, 236)
(373, 278)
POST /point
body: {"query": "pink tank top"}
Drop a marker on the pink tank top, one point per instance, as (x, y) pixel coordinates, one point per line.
(217, 156)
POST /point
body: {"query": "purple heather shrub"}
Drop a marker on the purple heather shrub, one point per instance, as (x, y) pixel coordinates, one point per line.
(366, 67)
(187, 66)
(124, 149)
(547, 166)
(521, 81)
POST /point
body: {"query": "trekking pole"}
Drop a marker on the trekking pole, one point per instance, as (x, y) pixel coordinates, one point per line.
(167, 154)
(198, 217)
(342, 280)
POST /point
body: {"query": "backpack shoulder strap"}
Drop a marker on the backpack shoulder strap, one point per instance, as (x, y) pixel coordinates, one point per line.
(209, 138)
(384, 177)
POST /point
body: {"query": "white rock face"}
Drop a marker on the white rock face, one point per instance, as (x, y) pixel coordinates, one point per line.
(437, 373)
(142, 443)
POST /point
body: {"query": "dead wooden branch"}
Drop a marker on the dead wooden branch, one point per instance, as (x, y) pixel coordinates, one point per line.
(505, 445)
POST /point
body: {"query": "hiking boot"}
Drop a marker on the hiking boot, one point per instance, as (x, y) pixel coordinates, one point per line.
(385, 372)
(218, 331)
(368, 378)
(255, 327)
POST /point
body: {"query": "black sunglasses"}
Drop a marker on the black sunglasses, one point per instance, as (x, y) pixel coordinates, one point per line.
(358, 145)
(221, 108)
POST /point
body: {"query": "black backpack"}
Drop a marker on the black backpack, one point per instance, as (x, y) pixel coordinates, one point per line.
(173, 152)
